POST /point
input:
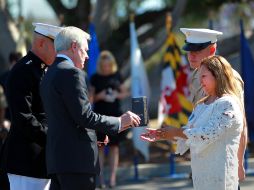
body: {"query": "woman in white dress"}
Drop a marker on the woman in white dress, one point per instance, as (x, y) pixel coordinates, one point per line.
(213, 131)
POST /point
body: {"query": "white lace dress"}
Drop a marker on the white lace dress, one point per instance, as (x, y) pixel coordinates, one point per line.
(213, 133)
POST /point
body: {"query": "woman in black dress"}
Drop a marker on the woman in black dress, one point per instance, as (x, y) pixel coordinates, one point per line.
(107, 90)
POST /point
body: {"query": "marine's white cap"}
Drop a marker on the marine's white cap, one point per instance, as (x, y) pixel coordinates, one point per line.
(198, 39)
(47, 30)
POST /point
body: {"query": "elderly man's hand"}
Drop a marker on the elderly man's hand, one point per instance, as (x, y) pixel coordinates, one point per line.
(105, 142)
(128, 120)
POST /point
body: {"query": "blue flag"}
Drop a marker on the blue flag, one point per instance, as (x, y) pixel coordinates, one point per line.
(248, 78)
(93, 52)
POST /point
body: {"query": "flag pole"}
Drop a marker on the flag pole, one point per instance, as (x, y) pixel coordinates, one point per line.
(171, 155)
(168, 22)
(139, 87)
(135, 157)
(246, 154)
(172, 165)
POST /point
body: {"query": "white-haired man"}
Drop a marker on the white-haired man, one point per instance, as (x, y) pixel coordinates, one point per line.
(71, 153)
(24, 153)
(199, 44)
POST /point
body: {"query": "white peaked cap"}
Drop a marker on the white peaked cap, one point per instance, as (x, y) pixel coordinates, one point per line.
(47, 30)
(196, 35)
(197, 38)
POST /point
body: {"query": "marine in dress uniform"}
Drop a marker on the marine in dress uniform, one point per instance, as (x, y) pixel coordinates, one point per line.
(196, 91)
(24, 154)
(197, 40)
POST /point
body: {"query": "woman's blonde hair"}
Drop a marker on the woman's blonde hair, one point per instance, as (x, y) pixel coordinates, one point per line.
(226, 83)
(106, 56)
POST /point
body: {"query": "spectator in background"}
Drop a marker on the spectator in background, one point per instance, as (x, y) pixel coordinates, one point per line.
(4, 128)
(13, 58)
(107, 90)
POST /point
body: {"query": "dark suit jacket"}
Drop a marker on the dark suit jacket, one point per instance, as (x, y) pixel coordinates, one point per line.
(24, 153)
(71, 138)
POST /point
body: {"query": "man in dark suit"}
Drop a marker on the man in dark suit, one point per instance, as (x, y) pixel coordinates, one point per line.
(24, 153)
(13, 58)
(71, 152)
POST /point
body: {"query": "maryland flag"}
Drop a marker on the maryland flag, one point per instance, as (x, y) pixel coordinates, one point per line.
(174, 106)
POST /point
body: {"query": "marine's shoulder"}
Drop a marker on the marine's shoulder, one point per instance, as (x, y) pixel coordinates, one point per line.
(24, 65)
(29, 61)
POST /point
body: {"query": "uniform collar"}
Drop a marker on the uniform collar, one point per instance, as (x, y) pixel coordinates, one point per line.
(36, 60)
(195, 73)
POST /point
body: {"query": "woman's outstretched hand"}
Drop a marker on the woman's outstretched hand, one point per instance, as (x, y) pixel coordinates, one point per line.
(150, 135)
(165, 133)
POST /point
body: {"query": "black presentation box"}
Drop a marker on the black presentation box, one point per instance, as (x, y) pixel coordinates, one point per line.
(140, 107)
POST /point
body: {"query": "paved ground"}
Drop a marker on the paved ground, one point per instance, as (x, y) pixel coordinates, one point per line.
(156, 177)
(173, 184)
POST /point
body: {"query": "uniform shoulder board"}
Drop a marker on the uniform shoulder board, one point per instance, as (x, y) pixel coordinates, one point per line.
(27, 63)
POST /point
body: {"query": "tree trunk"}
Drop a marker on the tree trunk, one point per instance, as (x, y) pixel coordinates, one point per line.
(156, 35)
(8, 36)
(77, 16)
(101, 19)
(109, 39)
(178, 11)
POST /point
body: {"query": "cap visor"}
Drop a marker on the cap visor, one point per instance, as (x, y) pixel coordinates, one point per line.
(195, 47)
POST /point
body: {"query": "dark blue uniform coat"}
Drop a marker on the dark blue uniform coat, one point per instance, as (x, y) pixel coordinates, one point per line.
(24, 152)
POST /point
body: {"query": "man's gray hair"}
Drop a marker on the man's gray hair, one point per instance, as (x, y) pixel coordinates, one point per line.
(68, 35)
